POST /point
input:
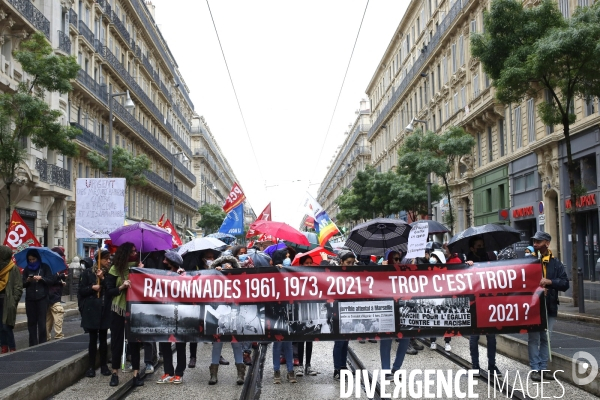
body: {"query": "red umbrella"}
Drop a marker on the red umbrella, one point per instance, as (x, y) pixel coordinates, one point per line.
(280, 230)
(316, 254)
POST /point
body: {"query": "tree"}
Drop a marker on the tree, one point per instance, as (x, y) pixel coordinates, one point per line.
(211, 218)
(411, 196)
(529, 50)
(425, 153)
(25, 113)
(124, 165)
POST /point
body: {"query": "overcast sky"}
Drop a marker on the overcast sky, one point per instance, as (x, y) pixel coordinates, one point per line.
(287, 60)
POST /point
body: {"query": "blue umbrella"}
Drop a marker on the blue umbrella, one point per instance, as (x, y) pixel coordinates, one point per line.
(52, 259)
(223, 237)
(271, 249)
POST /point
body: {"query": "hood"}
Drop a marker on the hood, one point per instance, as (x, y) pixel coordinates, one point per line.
(225, 259)
(440, 255)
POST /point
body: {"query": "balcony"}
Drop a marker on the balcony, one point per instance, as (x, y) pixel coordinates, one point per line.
(165, 185)
(91, 140)
(120, 27)
(33, 15)
(86, 33)
(73, 19)
(64, 43)
(52, 174)
(97, 89)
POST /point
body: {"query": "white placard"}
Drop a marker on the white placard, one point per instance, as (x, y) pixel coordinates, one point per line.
(99, 206)
(417, 240)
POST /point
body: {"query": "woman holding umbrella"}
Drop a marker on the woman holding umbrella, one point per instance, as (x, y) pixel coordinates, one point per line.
(37, 278)
(117, 283)
(96, 311)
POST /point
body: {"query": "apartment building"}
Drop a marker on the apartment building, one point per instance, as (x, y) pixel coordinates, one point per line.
(212, 170)
(517, 172)
(350, 157)
(119, 49)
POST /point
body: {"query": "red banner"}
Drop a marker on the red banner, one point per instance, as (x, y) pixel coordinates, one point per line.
(19, 236)
(264, 215)
(336, 303)
(235, 198)
(168, 226)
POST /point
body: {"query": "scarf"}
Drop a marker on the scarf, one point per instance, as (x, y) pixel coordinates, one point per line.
(34, 266)
(545, 260)
(4, 273)
(119, 302)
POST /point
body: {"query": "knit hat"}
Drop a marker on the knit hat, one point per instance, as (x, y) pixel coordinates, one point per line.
(5, 256)
(174, 257)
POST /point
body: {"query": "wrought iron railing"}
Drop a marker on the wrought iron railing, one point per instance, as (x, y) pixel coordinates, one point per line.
(91, 140)
(73, 19)
(64, 42)
(93, 86)
(430, 49)
(120, 27)
(53, 174)
(86, 32)
(33, 15)
(165, 185)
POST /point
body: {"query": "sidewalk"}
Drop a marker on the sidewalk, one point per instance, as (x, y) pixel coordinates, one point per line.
(567, 311)
(71, 309)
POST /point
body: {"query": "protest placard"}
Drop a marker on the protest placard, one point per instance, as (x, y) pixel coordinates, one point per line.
(417, 240)
(99, 206)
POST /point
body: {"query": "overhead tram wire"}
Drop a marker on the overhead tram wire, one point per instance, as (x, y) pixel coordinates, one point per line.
(235, 93)
(341, 88)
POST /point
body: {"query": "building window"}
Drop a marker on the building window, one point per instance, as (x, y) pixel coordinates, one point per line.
(519, 184)
(589, 106)
(530, 181)
(479, 149)
(461, 51)
(473, 26)
(563, 6)
(463, 97)
(447, 110)
(501, 137)
(453, 54)
(475, 86)
(445, 69)
(549, 99)
(531, 120)
(488, 200)
(455, 98)
(518, 127)
(490, 150)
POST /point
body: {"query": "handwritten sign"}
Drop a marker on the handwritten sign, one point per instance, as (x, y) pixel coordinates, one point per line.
(99, 206)
(417, 240)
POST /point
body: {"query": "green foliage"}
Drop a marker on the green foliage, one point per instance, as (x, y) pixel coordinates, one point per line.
(424, 153)
(124, 165)
(25, 113)
(211, 218)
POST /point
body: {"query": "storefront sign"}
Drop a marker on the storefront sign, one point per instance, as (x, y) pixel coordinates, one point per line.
(523, 212)
(584, 201)
(503, 214)
(333, 303)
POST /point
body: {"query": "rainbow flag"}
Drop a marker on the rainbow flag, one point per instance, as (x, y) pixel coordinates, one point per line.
(324, 226)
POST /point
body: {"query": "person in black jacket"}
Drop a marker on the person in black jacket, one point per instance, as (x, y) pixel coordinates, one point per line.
(37, 278)
(554, 279)
(96, 312)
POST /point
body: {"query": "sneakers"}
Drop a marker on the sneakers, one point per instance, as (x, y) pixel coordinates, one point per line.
(495, 371)
(336, 374)
(114, 380)
(90, 373)
(223, 361)
(192, 363)
(247, 358)
(128, 368)
(149, 368)
(362, 341)
(309, 371)
(176, 379)
(448, 347)
(372, 341)
(536, 376)
(277, 377)
(137, 381)
(166, 378)
(299, 370)
(291, 377)
(433, 346)
(548, 375)
(296, 362)
(104, 370)
(416, 345)
(410, 350)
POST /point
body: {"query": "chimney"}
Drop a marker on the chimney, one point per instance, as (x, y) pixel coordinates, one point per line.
(152, 8)
(363, 105)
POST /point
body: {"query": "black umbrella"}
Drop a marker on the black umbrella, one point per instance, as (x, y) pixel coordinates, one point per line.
(379, 235)
(431, 246)
(434, 226)
(495, 237)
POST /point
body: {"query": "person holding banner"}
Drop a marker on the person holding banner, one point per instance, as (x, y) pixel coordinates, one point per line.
(117, 283)
(172, 262)
(340, 347)
(96, 311)
(11, 288)
(37, 279)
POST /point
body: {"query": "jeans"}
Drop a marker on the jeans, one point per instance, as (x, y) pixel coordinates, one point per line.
(491, 351)
(385, 347)
(7, 337)
(288, 352)
(217, 348)
(165, 349)
(340, 354)
(537, 344)
(247, 347)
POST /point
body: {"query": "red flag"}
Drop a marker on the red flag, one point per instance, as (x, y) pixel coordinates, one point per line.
(309, 222)
(161, 222)
(266, 215)
(19, 236)
(235, 198)
(168, 226)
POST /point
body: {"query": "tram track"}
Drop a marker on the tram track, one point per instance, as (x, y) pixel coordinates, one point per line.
(253, 382)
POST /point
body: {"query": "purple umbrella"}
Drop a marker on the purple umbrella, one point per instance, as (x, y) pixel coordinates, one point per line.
(271, 249)
(145, 237)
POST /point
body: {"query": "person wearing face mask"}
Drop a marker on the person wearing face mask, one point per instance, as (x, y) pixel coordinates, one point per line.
(478, 253)
(554, 279)
(37, 279)
(529, 251)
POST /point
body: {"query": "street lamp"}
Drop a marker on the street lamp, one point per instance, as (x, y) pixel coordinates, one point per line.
(185, 159)
(129, 105)
(411, 128)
